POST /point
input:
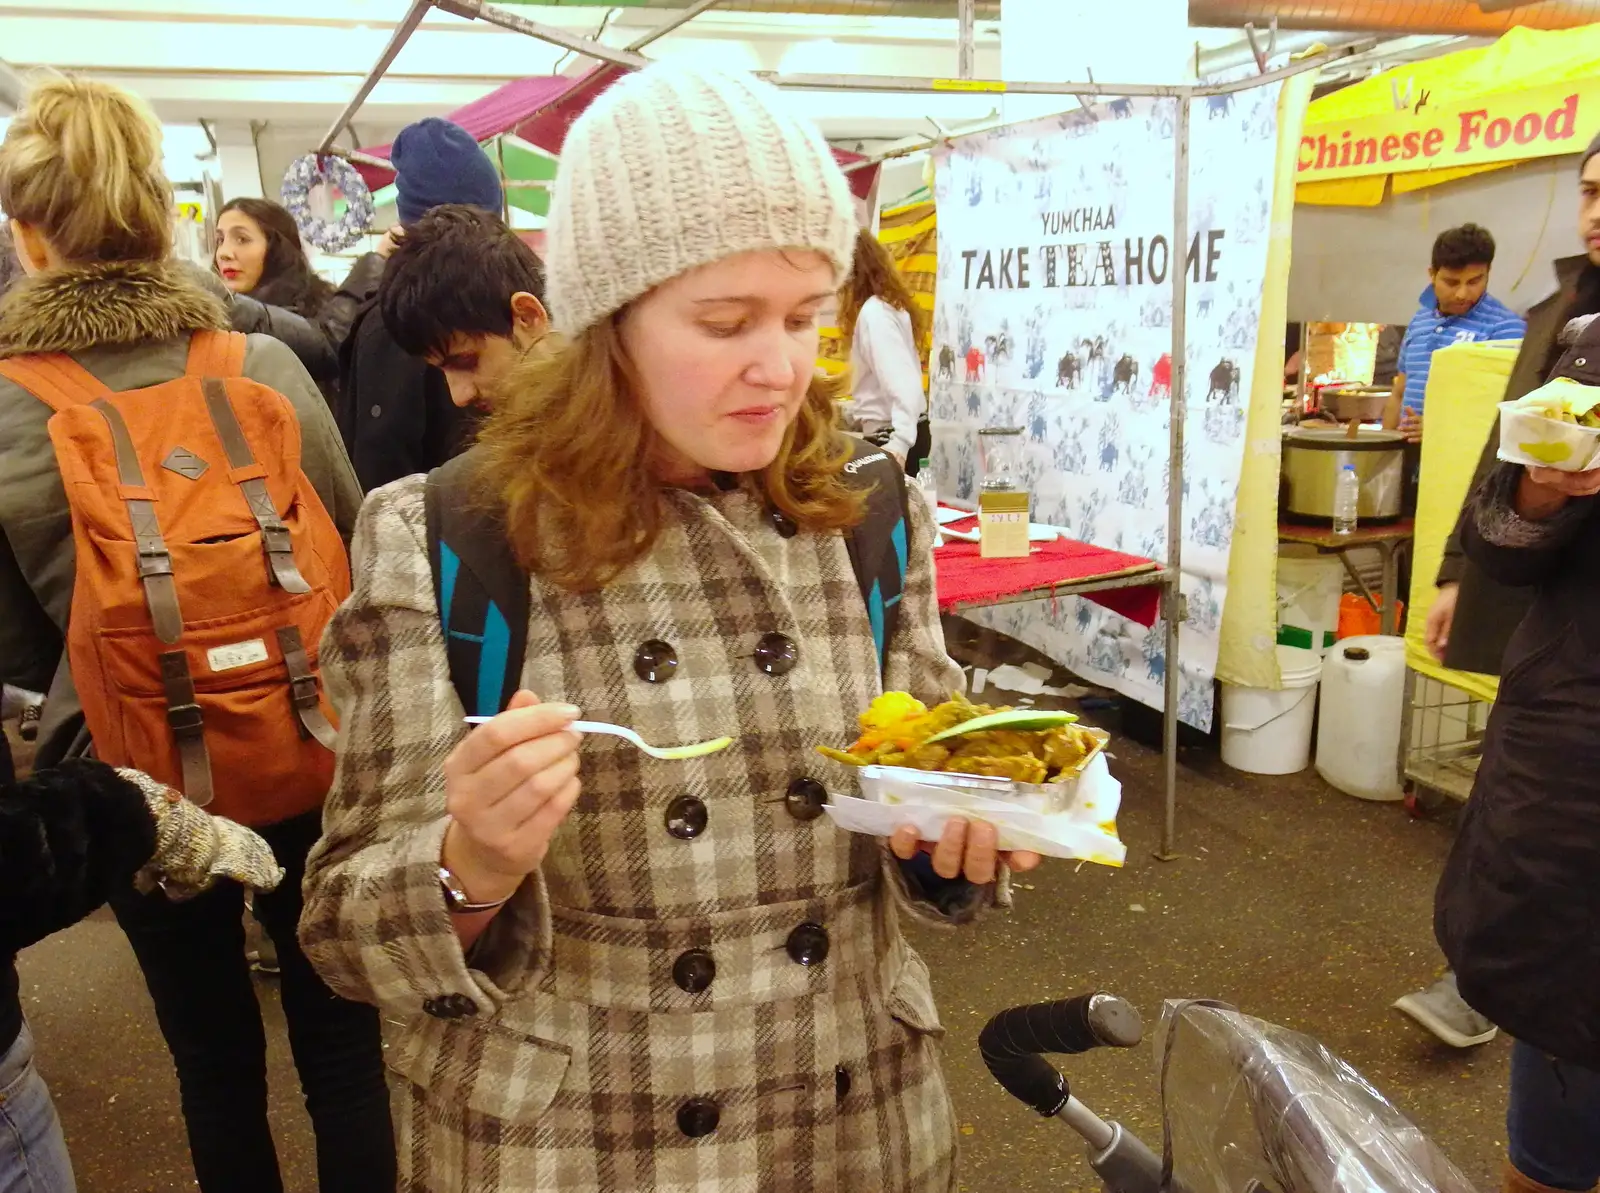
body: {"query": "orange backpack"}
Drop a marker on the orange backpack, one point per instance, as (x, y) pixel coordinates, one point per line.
(207, 567)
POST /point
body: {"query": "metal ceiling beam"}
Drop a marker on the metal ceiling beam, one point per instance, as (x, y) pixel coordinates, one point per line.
(987, 10)
(1397, 16)
(397, 41)
(477, 10)
(677, 20)
(966, 51)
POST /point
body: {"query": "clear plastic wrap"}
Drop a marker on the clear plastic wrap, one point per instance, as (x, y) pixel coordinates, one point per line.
(1253, 1106)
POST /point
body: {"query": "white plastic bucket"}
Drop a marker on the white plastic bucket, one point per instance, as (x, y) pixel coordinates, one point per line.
(1309, 587)
(1268, 732)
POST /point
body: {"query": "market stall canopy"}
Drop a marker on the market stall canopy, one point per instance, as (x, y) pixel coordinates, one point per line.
(1531, 94)
(524, 123)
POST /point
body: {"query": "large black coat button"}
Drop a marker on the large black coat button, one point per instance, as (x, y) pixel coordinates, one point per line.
(805, 799)
(698, 1117)
(687, 817)
(808, 944)
(784, 524)
(655, 661)
(841, 1082)
(450, 1006)
(694, 971)
(776, 654)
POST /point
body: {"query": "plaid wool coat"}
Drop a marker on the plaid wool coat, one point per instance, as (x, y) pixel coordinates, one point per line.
(639, 1017)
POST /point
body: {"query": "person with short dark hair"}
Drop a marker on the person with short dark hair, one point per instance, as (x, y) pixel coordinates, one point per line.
(394, 410)
(466, 294)
(1456, 308)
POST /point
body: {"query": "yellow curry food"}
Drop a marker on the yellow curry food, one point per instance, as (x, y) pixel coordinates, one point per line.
(895, 732)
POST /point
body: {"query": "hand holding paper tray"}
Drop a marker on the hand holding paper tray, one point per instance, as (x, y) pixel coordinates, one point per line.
(1084, 828)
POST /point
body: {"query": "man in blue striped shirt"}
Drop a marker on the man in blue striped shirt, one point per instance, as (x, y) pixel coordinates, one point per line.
(1456, 308)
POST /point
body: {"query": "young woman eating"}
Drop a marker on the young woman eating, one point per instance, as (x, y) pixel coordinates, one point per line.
(609, 973)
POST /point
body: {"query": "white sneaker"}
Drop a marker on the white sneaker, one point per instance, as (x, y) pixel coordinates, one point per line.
(1441, 1009)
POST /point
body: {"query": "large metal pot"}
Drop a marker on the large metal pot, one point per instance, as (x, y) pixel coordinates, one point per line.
(1313, 458)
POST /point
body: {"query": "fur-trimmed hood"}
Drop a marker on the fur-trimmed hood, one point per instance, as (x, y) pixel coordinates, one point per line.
(79, 307)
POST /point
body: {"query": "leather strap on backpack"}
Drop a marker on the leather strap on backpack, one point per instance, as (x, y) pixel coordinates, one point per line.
(249, 475)
(188, 726)
(216, 354)
(303, 688)
(155, 561)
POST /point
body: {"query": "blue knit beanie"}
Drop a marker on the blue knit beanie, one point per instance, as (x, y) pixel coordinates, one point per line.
(437, 162)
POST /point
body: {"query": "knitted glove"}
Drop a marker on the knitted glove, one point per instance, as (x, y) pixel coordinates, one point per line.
(194, 848)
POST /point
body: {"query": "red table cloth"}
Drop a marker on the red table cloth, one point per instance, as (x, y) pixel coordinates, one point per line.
(965, 578)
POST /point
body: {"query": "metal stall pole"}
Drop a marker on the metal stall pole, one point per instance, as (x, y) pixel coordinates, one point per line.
(1173, 604)
(966, 54)
(397, 41)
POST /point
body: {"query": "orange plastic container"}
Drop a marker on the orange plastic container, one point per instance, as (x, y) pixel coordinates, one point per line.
(1357, 619)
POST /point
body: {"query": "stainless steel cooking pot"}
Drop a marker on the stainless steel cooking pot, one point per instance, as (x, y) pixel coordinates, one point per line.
(1313, 458)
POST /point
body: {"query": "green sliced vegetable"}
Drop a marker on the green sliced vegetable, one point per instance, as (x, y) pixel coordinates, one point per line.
(1024, 720)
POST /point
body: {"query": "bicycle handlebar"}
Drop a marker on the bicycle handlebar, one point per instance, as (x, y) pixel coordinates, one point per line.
(1013, 1041)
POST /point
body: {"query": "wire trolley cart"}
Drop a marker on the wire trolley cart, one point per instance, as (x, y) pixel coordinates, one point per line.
(1441, 742)
(1247, 1106)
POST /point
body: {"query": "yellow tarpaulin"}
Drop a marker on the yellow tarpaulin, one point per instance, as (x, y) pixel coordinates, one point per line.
(1465, 385)
(1474, 109)
(1245, 653)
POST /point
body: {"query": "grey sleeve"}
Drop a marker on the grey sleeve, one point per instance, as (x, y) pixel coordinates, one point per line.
(322, 454)
(1512, 549)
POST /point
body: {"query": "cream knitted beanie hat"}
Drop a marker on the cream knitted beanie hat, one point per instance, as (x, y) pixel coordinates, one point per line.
(673, 168)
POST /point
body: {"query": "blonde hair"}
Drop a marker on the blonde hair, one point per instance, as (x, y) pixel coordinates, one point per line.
(81, 162)
(570, 460)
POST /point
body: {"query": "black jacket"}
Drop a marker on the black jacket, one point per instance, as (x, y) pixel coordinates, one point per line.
(69, 837)
(1488, 612)
(394, 410)
(315, 335)
(1519, 901)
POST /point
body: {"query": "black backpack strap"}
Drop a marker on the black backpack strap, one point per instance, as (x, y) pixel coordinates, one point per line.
(878, 545)
(483, 592)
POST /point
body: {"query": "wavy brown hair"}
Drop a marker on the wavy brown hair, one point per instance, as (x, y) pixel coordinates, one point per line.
(570, 460)
(873, 275)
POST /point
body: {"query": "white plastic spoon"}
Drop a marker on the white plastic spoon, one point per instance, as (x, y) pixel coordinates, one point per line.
(667, 754)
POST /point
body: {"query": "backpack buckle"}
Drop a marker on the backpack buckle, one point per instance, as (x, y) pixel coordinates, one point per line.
(154, 560)
(185, 719)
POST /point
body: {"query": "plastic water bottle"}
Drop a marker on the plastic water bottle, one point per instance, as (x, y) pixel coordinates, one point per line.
(930, 494)
(1346, 500)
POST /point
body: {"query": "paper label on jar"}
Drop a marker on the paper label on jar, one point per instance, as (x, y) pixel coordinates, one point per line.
(1003, 525)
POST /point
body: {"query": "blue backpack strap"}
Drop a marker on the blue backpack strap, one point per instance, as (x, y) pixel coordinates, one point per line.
(878, 545)
(483, 593)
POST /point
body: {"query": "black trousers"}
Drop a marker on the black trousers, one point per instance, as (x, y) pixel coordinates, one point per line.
(192, 954)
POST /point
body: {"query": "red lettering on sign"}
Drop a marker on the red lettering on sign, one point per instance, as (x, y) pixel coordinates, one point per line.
(1528, 128)
(1471, 124)
(1563, 122)
(1433, 142)
(1413, 145)
(1391, 147)
(1498, 132)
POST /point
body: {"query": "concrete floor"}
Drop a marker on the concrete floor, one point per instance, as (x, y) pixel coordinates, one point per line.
(1290, 901)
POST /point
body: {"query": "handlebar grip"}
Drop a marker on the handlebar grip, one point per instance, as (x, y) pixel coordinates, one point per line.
(1013, 1040)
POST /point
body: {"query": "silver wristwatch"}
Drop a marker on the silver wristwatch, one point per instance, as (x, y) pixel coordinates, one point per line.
(455, 896)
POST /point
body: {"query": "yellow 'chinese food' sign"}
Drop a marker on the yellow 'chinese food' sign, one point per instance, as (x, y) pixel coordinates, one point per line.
(1507, 127)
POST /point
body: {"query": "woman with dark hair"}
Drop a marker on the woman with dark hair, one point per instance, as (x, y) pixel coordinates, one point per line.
(260, 260)
(884, 326)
